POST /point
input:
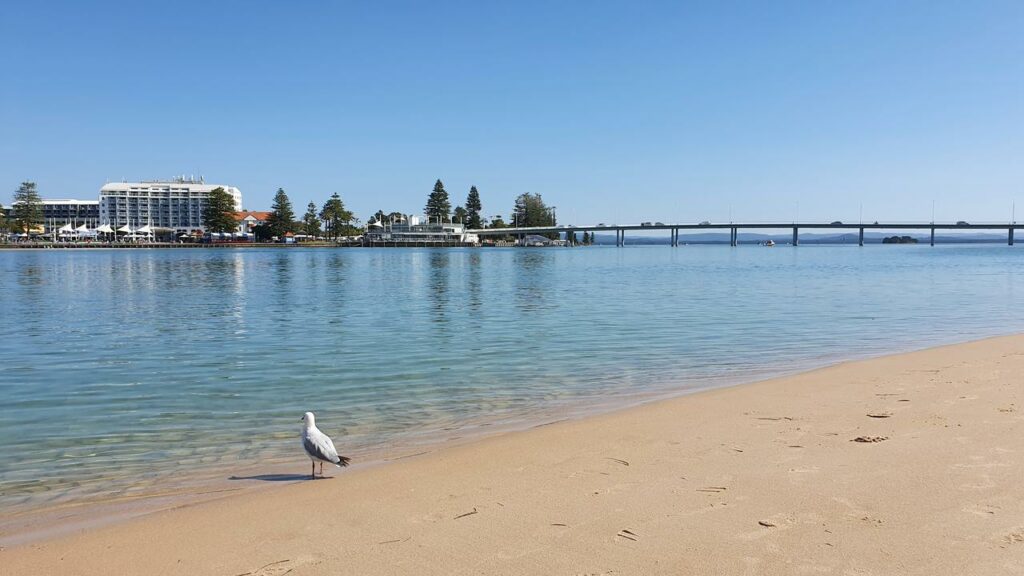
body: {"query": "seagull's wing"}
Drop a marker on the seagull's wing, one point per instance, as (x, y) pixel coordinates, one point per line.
(318, 445)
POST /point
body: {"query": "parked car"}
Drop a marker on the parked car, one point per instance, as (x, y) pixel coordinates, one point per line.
(837, 223)
(646, 224)
(601, 225)
(659, 223)
(705, 223)
(962, 223)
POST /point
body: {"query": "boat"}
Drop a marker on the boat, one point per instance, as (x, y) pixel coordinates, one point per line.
(769, 243)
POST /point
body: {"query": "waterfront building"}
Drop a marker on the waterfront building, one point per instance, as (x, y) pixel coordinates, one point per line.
(171, 205)
(61, 212)
(58, 213)
(247, 220)
(411, 229)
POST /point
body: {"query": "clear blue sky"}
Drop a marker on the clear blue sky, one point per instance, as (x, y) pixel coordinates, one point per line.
(614, 111)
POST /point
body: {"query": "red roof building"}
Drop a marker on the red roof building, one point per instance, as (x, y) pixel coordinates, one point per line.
(247, 220)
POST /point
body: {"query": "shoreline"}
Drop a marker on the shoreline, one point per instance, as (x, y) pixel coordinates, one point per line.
(702, 436)
(30, 524)
(248, 245)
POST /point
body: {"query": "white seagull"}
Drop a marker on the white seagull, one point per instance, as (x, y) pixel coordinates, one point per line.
(319, 446)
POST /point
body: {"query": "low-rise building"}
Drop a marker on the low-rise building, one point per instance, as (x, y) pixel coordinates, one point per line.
(57, 213)
(409, 229)
(248, 219)
(61, 212)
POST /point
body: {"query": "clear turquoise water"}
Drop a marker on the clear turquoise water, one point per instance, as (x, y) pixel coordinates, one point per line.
(122, 367)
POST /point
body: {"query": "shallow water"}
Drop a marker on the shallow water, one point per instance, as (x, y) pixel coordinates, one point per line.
(123, 368)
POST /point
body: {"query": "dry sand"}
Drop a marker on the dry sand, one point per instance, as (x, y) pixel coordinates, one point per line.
(764, 478)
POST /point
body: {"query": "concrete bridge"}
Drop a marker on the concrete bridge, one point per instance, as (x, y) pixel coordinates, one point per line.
(734, 227)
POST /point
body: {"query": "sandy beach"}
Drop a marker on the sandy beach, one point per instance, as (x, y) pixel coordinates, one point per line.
(907, 464)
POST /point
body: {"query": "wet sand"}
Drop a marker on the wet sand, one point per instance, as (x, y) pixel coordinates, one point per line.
(907, 464)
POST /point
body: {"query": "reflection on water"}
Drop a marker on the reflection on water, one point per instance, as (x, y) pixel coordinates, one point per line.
(474, 285)
(30, 276)
(437, 290)
(532, 280)
(144, 363)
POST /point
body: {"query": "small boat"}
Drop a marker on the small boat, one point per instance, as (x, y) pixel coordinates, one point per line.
(769, 243)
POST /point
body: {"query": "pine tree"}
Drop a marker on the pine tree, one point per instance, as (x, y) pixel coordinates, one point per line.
(531, 211)
(459, 215)
(28, 207)
(336, 217)
(282, 217)
(310, 222)
(262, 233)
(438, 207)
(473, 208)
(219, 212)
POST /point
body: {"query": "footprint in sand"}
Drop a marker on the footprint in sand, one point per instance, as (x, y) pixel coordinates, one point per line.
(870, 439)
(1015, 537)
(983, 510)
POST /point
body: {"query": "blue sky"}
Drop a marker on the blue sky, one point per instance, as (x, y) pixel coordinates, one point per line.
(614, 111)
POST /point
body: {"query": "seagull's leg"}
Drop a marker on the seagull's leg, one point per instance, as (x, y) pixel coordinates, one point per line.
(312, 473)
(321, 469)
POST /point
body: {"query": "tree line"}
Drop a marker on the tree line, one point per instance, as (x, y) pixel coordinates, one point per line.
(332, 220)
(528, 210)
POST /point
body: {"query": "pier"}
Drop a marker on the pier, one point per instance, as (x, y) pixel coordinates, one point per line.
(735, 227)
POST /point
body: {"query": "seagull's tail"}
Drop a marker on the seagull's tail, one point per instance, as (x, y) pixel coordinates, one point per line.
(342, 461)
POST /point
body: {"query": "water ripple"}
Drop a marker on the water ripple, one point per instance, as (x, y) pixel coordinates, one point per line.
(124, 367)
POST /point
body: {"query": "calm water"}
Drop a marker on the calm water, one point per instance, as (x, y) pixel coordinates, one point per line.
(125, 367)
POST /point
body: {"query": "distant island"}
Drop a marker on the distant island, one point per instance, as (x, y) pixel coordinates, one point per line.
(899, 240)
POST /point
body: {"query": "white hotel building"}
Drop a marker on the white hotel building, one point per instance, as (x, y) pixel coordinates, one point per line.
(168, 204)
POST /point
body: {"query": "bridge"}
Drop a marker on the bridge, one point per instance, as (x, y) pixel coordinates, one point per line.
(734, 227)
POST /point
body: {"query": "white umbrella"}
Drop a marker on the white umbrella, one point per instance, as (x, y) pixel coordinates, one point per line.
(66, 228)
(106, 229)
(126, 228)
(145, 230)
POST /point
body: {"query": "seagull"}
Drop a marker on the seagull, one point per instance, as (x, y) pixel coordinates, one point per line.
(319, 446)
